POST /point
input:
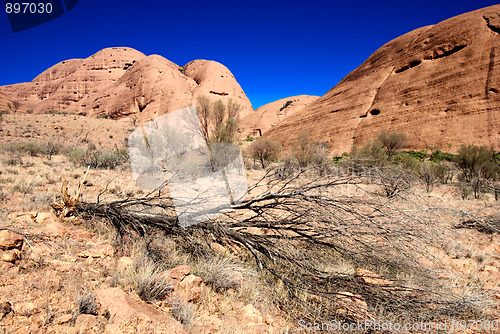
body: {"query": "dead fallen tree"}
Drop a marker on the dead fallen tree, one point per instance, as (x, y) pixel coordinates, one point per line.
(299, 231)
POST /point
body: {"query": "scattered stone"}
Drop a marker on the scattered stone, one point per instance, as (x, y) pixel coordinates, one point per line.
(5, 308)
(44, 217)
(190, 288)
(25, 309)
(99, 252)
(218, 248)
(251, 314)
(11, 255)
(205, 329)
(54, 229)
(86, 323)
(123, 308)
(10, 240)
(178, 273)
(64, 319)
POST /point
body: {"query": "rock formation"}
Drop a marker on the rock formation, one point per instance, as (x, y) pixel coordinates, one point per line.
(5, 100)
(439, 85)
(122, 81)
(269, 115)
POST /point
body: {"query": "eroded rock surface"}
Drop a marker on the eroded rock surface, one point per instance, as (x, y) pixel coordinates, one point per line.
(439, 85)
(120, 82)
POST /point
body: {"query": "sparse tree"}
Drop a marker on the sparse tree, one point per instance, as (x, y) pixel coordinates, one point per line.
(392, 141)
(307, 152)
(427, 174)
(265, 150)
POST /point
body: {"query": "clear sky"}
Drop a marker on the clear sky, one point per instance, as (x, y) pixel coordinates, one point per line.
(274, 49)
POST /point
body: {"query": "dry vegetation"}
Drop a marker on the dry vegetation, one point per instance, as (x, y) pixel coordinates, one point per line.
(376, 234)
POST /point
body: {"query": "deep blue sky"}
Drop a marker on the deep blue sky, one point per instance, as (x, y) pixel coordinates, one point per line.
(274, 49)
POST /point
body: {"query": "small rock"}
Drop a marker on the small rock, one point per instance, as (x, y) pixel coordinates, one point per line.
(205, 329)
(218, 248)
(55, 229)
(44, 217)
(11, 255)
(63, 319)
(80, 234)
(251, 314)
(99, 252)
(497, 248)
(86, 323)
(10, 240)
(25, 309)
(5, 308)
(178, 273)
(190, 288)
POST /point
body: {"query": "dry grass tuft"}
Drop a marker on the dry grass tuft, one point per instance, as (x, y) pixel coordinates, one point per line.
(149, 281)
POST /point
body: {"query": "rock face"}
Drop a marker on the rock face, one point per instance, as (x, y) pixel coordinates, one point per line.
(6, 100)
(122, 81)
(269, 115)
(439, 85)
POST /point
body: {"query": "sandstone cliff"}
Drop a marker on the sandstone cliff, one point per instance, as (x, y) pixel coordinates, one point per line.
(269, 115)
(438, 84)
(122, 81)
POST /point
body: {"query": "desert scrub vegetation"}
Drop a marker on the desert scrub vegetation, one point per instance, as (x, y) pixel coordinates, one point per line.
(306, 153)
(148, 279)
(291, 230)
(221, 273)
(86, 304)
(47, 148)
(474, 169)
(98, 159)
(219, 121)
(265, 150)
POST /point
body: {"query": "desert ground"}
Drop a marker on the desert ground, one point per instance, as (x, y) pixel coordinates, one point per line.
(74, 275)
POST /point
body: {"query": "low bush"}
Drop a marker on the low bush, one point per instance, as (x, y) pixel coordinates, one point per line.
(99, 159)
(370, 154)
(220, 273)
(309, 153)
(149, 281)
(87, 304)
(477, 162)
(265, 150)
(392, 141)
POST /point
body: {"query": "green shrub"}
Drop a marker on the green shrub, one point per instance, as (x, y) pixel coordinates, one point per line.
(438, 156)
(286, 105)
(76, 155)
(407, 161)
(477, 162)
